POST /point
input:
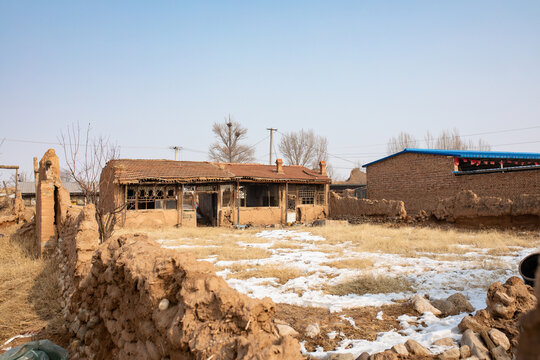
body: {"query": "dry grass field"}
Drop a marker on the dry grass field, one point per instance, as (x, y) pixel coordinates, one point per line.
(29, 293)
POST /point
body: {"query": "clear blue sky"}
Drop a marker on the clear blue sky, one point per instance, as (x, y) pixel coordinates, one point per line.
(158, 73)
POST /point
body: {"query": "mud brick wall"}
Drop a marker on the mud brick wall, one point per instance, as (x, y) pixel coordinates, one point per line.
(348, 207)
(421, 180)
(128, 298)
(467, 205)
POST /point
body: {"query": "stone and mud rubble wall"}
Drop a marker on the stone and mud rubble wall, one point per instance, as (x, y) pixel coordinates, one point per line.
(348, 207)
(466, 206)
(128, 298)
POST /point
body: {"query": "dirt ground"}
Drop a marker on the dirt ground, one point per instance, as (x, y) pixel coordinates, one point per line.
(367, 326)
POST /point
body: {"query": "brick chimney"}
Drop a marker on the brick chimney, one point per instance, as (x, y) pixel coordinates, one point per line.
(322, 167)
(279, 166)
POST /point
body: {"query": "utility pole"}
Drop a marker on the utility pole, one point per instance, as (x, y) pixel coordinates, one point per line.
(176, 150)
(271, 141)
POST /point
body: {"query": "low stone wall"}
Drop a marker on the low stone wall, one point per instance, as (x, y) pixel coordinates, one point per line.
(467, 206)
(346, 206)
(130, 298)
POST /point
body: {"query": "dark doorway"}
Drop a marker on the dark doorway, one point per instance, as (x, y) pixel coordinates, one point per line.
(207, 209)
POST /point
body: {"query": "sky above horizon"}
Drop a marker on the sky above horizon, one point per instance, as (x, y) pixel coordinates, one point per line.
(150, 75)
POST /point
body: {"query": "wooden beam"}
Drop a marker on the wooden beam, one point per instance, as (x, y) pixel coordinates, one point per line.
(13, 167)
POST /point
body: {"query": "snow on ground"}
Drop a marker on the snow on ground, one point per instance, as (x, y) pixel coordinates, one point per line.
(436, 278)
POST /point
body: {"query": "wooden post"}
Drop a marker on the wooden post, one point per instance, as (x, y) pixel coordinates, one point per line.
(237, 202)
(125, 204)
(181, 213)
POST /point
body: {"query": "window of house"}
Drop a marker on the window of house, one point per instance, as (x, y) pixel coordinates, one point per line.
(259, 195)
(188, 201)
(226, 196)
(306, 194)
(148, 197)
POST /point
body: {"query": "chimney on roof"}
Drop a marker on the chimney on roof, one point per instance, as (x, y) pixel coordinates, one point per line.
(279, 166)
(322, 167)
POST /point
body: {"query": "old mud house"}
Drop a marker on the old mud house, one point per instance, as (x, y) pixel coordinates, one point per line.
(422, 177)
(186, 193)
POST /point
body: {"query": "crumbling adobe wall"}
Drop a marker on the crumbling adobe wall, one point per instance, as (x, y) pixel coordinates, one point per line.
(149, 218)
(347, 206)
(467, 206)
(133, 299)
(310, 213)
(52, 202)
(260, 215)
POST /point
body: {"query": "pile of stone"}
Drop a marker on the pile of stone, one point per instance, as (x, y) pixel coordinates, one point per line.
(495, 330)
(492, 333)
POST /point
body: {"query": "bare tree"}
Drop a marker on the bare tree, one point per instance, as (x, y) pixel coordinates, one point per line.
(85, 157)
(400, 142)
(227, 148)
(22, 176)
(447, 140)
(304, 148)
(429, 140)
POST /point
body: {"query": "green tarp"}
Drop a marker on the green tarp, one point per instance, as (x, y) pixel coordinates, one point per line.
(36, 350)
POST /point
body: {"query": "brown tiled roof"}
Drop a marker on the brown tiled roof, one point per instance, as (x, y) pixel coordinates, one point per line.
(130, 171)
(127, 170)
(268, 172)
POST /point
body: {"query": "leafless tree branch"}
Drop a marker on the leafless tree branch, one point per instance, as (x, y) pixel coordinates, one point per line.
(227, 147)
(304, 148)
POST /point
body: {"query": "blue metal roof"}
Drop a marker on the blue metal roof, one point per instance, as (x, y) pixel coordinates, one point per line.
(465, 154)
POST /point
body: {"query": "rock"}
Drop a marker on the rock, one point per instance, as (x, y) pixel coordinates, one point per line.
(452, 354)
(499, 353)
(385, 355)
(363, 356)
(461, 303)
(487, 340)
(464, 351)
(313, 330)
(512, 298)
(400, 349)
(445, 342)
(446, 307)
(347, 356)
(284, 330)
(499, 338)
(416, 349)
(474, 342)
(163, 304)
(470, 322)
(422, 305)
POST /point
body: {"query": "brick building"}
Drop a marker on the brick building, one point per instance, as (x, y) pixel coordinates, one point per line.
(421, 177)
(188, 193)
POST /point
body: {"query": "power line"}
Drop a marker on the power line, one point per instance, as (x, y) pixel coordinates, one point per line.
(459, 136)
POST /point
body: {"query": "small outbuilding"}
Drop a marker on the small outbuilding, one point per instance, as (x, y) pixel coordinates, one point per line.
(422, 177)
(189, 193)
(28, 193)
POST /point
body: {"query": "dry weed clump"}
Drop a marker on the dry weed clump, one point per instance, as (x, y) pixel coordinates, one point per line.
(369, 284)
(350, 263)
(29, 292)
(281, 273)
(286, 245)
(228, 252)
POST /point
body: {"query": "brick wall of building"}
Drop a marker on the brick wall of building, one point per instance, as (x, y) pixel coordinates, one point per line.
(421, 180)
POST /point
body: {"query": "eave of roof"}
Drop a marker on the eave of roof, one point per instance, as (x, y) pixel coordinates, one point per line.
(132, 171)
(464, 154)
